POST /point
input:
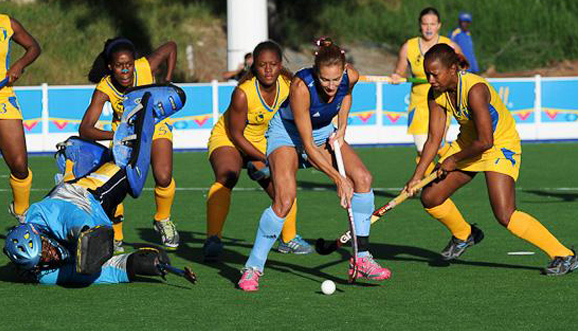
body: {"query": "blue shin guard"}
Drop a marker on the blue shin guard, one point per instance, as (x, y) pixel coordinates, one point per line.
(168, 98)
(85, 155)
(270, 227)
(362, 205)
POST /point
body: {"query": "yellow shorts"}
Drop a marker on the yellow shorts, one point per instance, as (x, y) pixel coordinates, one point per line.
(164, 129)
(9, 108)
(220, 137)
(502, 159)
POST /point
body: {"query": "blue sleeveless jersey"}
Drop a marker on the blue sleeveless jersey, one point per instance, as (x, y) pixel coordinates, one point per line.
(320, 112)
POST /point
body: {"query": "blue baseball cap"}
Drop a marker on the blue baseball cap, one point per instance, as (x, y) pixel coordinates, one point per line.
(464, 16)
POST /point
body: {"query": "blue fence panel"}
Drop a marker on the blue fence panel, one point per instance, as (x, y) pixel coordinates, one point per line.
(364, 104)
(198, 110)
(395, 100)
(30, 102)
(559, 103)
(519, 99)
(225, 93)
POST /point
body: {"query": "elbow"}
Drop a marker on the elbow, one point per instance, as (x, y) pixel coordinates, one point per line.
(84, 131)
(486, 144)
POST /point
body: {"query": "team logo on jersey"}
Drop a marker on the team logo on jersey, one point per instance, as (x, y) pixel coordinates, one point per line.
(259, 117)
(3, 34)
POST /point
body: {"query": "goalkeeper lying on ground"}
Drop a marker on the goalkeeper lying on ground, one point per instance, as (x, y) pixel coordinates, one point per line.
(67, 237)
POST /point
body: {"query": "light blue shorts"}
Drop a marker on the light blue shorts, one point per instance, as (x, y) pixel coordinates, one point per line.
(283, 132)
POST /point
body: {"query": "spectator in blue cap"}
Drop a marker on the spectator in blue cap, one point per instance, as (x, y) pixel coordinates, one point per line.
(461, 36)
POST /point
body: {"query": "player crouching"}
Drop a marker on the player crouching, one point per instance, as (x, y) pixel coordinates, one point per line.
(67, 237)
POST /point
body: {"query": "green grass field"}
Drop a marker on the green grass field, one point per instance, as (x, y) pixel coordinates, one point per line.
(485, 289)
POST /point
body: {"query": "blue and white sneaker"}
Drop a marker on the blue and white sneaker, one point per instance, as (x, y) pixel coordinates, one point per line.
(295, 246)
(212, 248)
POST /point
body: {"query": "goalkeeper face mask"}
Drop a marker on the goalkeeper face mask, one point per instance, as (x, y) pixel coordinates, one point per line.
(53, 255)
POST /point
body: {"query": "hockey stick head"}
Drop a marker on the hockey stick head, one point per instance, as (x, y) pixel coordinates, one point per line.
(325, 248)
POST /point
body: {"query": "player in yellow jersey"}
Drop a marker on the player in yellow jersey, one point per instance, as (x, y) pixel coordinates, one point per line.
(115, 70)
(238, 139)
(488, 142)
(12, 140)
(412, 54)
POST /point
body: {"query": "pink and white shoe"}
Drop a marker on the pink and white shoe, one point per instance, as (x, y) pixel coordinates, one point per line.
(249, 282)
(368, 268)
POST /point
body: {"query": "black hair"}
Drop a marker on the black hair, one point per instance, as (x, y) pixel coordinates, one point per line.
(428, 11)
(328, 54)
(100, 64)
(447, 56)
(268, 45)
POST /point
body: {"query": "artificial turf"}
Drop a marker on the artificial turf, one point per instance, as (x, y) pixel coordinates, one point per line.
(485, 289)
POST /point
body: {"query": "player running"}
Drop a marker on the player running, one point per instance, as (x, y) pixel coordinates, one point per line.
(50, 248)
(114, 71)
(302, 129)
(412, 53)
(12, 140)
(238, 139)
(488, 142)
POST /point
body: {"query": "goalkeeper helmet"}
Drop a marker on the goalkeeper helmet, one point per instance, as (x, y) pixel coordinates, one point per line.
(24, 246)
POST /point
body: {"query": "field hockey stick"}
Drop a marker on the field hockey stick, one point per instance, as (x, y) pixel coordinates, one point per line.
(324, 248)
(389, 80)
(4, 81)
(341, 168)
(187, 273)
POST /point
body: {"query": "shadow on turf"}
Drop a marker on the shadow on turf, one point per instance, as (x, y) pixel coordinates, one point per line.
(313, 185)
(410, 253)
(231, 261)
(564, 197)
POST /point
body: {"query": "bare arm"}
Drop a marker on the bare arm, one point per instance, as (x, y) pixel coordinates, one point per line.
(401, 65)
(479, 101)
(167, 52)
(24, 39)
(299, 99)
(436, 132)
(456, 48)
(88, 128)
(238, 110)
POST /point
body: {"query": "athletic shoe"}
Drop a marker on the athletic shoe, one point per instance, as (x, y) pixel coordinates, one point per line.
(295, 246)
(168, 232)
(368, 268)
(457, 247)
(20, 217)
(212, 248)
(249, 282)
(562, 265)
(118, 249)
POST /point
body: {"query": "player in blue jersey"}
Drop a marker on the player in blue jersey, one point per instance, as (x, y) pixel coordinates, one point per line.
(302, 130)
(49, 247)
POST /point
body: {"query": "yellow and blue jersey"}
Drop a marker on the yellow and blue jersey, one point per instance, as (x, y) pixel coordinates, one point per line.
(259, 113)
(418, 116)
(505, 155)
(6, 34)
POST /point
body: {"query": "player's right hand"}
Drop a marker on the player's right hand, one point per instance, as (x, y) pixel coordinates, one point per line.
(344, 191)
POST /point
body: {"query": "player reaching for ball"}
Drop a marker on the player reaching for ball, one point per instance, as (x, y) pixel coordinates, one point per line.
(238, 139)
(488, 142)
(303, 129)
